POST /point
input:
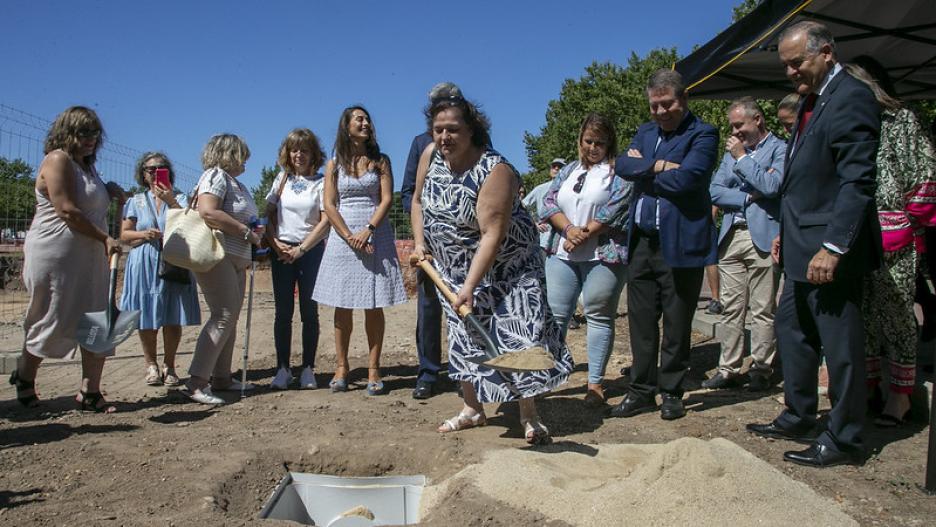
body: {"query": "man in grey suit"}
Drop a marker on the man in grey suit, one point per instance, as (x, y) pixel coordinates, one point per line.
(747, 188)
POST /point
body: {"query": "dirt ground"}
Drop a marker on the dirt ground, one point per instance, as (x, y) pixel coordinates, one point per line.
(165, 461)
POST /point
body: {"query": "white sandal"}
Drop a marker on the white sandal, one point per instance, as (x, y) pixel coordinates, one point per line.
(462, 421)
(535, 431)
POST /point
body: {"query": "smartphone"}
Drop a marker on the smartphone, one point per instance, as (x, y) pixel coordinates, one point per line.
(162, 177)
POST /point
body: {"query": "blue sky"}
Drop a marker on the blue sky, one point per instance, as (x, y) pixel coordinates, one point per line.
(168, 74)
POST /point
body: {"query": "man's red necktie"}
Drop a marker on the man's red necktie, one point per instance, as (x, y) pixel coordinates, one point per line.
(808, 106)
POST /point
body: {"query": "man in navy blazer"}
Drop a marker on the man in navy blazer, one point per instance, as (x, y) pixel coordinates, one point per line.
(671, 239)
(428, 308)
(829, 238)
(746, 187)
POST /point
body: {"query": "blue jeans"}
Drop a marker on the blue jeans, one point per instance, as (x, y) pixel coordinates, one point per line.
(600, 285)
(285, 278)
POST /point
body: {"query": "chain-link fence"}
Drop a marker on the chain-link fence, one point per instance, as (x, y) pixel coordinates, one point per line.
(22, 136)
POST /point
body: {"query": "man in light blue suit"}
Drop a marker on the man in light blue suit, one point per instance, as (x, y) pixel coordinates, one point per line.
(747, 188)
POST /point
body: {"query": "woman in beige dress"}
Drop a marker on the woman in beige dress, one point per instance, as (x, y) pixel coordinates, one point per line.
(66, 253)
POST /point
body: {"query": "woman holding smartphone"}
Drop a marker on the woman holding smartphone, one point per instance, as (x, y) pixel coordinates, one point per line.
(295, 228)
(163, 303)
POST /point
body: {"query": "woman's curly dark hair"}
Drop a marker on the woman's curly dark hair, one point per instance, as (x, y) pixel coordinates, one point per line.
(473, 117)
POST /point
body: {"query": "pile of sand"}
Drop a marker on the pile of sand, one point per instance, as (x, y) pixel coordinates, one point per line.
(685, 482)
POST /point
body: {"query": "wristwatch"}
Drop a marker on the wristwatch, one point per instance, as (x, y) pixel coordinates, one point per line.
(371, 227)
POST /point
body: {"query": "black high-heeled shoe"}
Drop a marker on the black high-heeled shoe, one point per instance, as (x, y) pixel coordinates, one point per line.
(22, 385)
(94, 402)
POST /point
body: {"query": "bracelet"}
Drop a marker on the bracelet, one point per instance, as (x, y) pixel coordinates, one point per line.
(246, 233)
(565, 230)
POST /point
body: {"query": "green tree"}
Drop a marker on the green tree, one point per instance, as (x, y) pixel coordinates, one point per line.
(620, 94)
(745, 7)
(17, 194)
(615, 91)
(400, 219)
(267, 175)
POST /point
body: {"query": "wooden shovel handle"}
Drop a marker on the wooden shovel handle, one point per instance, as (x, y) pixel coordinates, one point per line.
(433, 275)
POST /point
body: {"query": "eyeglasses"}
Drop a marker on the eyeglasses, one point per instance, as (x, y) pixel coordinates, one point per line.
(153, 168)
(88, 133)
(580, 182)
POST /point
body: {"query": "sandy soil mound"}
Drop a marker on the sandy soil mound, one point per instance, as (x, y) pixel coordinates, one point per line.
(685, 482)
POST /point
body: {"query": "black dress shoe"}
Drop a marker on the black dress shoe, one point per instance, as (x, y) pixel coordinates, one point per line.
(719, 381)
(631, 406)
(819, 456)
(672, 407)
(775, 431)
(758, 382)
(423, 390)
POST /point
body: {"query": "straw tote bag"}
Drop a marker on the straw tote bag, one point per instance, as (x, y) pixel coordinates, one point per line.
(188, 241)
(165, 270)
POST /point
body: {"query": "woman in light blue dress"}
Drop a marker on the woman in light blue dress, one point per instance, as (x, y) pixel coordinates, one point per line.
(162, 303)
(359, 268)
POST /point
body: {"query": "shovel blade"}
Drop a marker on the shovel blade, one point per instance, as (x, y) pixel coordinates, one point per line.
(97, 334)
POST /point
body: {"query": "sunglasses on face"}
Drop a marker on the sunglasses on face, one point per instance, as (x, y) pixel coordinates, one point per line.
(580, 182)
(153, 168)
(89, 133)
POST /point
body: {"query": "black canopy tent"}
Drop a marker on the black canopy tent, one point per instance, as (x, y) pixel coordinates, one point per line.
(742, 60)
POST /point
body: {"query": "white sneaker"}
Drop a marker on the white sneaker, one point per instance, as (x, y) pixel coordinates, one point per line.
(307, 379)
(203, 396)
(282, 379)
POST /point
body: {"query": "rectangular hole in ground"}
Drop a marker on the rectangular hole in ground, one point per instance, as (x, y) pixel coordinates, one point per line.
(332, 501)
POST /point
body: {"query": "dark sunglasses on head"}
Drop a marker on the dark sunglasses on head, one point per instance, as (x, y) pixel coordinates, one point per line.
(580, 182)
(88, 133)
(154, 168)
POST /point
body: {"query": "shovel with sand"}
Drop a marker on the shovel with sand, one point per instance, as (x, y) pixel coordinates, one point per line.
(530, 359)
(101, 331)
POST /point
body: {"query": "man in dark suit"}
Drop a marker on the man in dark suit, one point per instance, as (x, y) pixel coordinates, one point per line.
(829, 238)
(671, 238)
(428, 310)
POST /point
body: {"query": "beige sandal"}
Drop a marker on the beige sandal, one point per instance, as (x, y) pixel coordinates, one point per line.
(462, 421)
(535, 431)
(153, 377)
(170, 378)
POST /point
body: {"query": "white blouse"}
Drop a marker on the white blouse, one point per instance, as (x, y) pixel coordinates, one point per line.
(299, 208)
(579, 207)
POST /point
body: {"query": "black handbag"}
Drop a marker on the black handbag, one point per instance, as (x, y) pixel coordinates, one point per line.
(166, 270)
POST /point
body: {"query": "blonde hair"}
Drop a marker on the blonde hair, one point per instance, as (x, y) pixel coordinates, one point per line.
(225, 151)
(64, 132)
(300, 138)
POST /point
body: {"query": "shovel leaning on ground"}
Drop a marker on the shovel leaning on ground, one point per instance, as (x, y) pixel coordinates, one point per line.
(101, 331)
(530, 359)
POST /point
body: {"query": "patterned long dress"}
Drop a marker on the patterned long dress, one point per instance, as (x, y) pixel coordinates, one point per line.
(510, 302)
(906, 200)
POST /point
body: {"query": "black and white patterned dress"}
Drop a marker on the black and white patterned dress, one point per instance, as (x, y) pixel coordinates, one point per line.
(511, 299)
